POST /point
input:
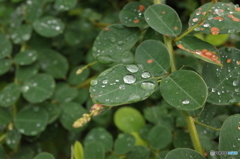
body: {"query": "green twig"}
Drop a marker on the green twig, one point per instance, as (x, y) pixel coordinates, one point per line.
(3, 137)
(79, 71)
(207, 126)
(168, 44)
(86, 82)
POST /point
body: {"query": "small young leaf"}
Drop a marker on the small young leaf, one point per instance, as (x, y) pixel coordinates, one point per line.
(185, 153)
(75, 78)
(200, 49)
(122, 84)
(113, 41)
(21, 34)
(25, 57)
(63, 5)
(124, 143)
(223, 82)
(223, 18)
(128, 119)
(5, 65)
(163, 19)
(132, 15)
(38, 88)
(184, 90)
(48, 26)
(44, 155)
(9, 94)
(13, 138)
(154, 56)
(78, 150)
(5, 46)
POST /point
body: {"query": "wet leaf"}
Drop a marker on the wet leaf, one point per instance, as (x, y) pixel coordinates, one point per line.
(64, 93)
(163, 19)
(38, 88)
(9, 94)
(44, 155)
(223, 18)
(64, 5)
(128, 119)
(48, 26)
(132, 15)
(113, 41)
(13, 138)
(154, 56)
(229, 138)
(33, 10)
(100, 135)
(200, 49)
(25, 57)
(5, 117)
(139, 152)
(5, 46)
(21, 34)
(94, 150)
(75, 78)
(124, 143)
(185, 153)
(31, 120)
(5, 65)
(223, 82)
(25, 72)
(122, 84)
(184, 90)
(52, 110)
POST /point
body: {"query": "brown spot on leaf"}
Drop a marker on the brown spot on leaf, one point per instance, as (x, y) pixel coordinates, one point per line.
(238, 62)
(107, 29)
(175, 28)
(150, 61)
(141, 8)
(229, 60)
(237, 9)
(239, 128)
(163, 12)
(180, 46)
(218, 18)
(136, 21)
(215, 30)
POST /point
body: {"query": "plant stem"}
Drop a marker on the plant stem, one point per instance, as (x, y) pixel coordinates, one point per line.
(3, 137)
(168, 44)
(207, 126)
(193, 133)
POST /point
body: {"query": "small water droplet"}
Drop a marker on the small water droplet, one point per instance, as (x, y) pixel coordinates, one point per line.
(148, 85)
(105, 81)
(206, 25)
(122, 87)
(145, 75)
(195, 19)
(113, 39)
(234, 146)
(132, 68)
(129, 79)
(185, 101)
(93, 82)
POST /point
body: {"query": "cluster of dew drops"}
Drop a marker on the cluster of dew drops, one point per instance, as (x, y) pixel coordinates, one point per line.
(139, 11)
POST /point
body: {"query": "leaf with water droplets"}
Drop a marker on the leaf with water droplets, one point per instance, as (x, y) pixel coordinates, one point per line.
(31, 120)
(5, 65)
(75, 78)
(94, 150)
(9, 95)
(5, 46)
(163, 19)
(200, 49)
(132, 15)
(229, 138)
(25, 57)
(38, 88)
(185, 153)
(184, 90)
(23, 73)
(48, 26)
(154, 56)
(124, 143)
(13, 138)
(33, 10)
(122, 84)
(224, 82)
(21, 34)
(114, 42)
(5, 117)
(139, 152)
(63, 5)
(223, 18)
(64, 93)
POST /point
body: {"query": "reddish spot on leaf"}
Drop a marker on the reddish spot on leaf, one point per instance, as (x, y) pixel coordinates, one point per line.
(199, 8)
(203, 13)
(163, 12)
(175, 28)
(215, 30)
(150, 61)
(107, 29)
(238, 62)
(180, 46)
(136, 21)
(235, 19)
(230, 16)
(218, 18)
(201, 28)
(229, 60)
(237, 9)
(141, 8)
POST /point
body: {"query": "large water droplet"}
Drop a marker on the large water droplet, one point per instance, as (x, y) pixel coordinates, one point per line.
(105, 81)
(132, 68)
(185, 101)
(148, 85)
(235, 82)
(145, 75)
(129, 79)
(93, 82)
(134, 98)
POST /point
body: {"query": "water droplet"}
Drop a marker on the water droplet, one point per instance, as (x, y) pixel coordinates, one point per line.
(129, 79)
(93, 82)
(134, 98)
(120, 43)
(113, 39)
(122, 87)
(234, 146)
(148, 85)
(213, 89)
(235, 82)
(25, 89)
(185, 101)
(206, 25)
(195, 19)
(145, 75)
(132, 68)
(105, 81)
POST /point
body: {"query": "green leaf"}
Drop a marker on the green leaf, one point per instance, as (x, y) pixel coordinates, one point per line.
(52, 110)
(21, 34)
(143, 132)
(124, 143)
(64, 93)
(23, 153)
(122, 84)
(70, 113)
(78, 150)
(75, 78)
(217, 40)
(25, 72)
(38, 88)
(223, 82)
(200, 49)
(94, 150)
(5, 46)
(64, 5)
(53, 63)
(13, 138)
(159, 133)
(154, 114)
(48, 26)
(100, 135)
(9, 94)
(229, 136)
(112, 42)
(5, 117)
(5, 65)
(185, 153)
(31, 120)
(128, 119)
(25, 57)
(132, 14)
(223, 18)
(184, 90)
(139, 152)
(33, 10)
(163, 19)
(83, 95)
(182, 139)
(154, 56)
(44, 155)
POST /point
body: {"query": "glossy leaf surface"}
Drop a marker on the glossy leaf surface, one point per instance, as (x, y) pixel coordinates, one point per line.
(63, 5)
(124, 143)
(25, 57)
(5, 65)
(5, 46)
(185, 153)
(9, 94)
